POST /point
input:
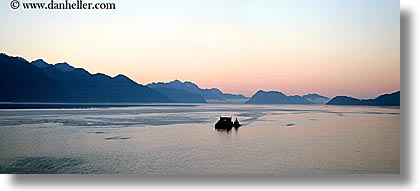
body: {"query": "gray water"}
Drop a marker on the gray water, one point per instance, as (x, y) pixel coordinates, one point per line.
(280, 139)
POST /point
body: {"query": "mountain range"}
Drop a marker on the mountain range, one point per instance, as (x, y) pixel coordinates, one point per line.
(275, 97)
(191, 89)
(180, 95)
(22, 81)
(392, 99)
(39, 81)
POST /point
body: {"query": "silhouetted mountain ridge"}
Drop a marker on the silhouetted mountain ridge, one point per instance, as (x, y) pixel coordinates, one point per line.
(40, 63)
(316, 98)
(42, 82)
(276, 97)
(24, 82)
(64, 67)
(180, 95)
(392, 99)
(208, 94)
(38, 81)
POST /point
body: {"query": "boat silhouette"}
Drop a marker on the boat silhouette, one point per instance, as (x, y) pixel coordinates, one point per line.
(236, 123)
(225, 123)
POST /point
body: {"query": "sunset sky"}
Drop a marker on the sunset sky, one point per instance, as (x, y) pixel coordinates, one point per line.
(330, 47)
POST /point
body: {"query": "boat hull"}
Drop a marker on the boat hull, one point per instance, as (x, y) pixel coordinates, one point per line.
(223, 125)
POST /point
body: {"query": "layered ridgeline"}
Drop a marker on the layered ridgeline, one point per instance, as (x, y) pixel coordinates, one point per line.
(181, 96)
(275, 97)
(392, 99)
(194, 92)
(38, 81)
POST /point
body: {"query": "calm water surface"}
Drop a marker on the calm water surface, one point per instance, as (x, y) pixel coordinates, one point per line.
(283, 139)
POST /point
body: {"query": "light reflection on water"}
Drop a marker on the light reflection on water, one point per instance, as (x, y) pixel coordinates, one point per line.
(282, 139)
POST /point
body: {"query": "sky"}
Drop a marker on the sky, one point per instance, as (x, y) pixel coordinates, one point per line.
(330, 47)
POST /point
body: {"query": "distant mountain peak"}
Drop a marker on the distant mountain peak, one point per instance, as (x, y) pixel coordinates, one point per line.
(276, 97)
(40, 60)
(64, 67)
(22, 59)
(180, 83)
(392, 99)
(270, 92)
(40, 63)
(210, 95)
(314, 94)
(101, 75)
(18, 57)
(122, 77)
(316, 98)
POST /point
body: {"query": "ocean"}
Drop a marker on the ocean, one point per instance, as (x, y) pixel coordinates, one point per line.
(181, 139)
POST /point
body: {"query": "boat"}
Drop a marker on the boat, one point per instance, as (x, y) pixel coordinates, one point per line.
(225, 123)
(236, 123)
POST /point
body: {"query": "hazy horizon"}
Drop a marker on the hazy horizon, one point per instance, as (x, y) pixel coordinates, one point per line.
(339, 47)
